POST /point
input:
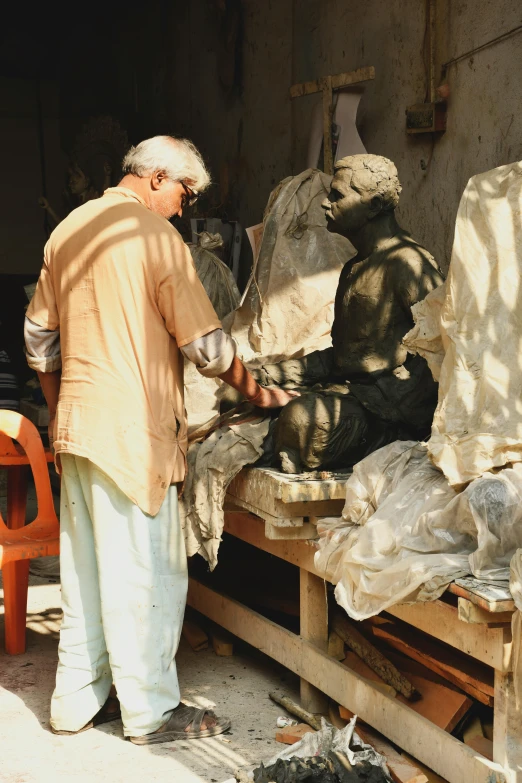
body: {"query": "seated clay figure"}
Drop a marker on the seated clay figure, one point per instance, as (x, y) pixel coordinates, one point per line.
(365, 391)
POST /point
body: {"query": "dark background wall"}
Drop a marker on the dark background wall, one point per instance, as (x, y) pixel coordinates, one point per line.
(219, 72)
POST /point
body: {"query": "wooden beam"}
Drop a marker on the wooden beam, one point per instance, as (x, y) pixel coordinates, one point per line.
(484, 595)
(314, 628)
(507, 718)
(489, 645)
(475, 615)
(473, 677)
(327, 124)
(338, 81)
(251, 529)
(417, 735)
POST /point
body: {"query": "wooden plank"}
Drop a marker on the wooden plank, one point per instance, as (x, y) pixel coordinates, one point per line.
(401, 771)
(434, 747)
(472, 677)
(222, 641)
(303, 533)
(287, 513)
(482, 745)
(338, 81)
(195, 636)
(336, 647)
(492, 598)
(492, 646)
(475, 615)
(251, 529)
(314, 628)
(289, 735)
(443, 706)
(290, 488)
(326, 86)
(244, 505)
(507, 722)
(356, 664)
(370, 655)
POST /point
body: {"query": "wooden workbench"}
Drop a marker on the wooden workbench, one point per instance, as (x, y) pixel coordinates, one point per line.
(467, 628)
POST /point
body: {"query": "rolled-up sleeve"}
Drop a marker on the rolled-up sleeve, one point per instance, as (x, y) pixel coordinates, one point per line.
(42, 347)
(212, 354)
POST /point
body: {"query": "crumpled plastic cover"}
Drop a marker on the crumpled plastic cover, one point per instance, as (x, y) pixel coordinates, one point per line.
(478, 422)
(405, 533)
(211, 466)
(288, 308)
(425, 338)
(217, 278)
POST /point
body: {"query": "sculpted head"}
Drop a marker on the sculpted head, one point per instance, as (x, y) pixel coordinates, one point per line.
(363, 187)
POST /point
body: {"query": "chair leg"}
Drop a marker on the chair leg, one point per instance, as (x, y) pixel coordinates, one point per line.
(16, 574)
(16, 581)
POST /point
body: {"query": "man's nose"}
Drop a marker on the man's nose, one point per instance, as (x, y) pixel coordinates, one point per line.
(326, 204)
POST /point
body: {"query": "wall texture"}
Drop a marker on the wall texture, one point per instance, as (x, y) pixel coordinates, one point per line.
(258, 137)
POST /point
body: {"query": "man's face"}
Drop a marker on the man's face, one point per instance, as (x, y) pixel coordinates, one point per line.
(167, 196)
(349, 205)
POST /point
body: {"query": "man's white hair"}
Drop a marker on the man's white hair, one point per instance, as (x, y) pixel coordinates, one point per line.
(178, 158)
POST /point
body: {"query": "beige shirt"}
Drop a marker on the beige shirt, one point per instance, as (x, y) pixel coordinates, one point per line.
(120, 285)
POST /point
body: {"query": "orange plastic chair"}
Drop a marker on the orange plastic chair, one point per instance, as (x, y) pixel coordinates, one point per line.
(20, 542)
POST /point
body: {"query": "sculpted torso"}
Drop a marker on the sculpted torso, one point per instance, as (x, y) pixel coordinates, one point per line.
(372, 306)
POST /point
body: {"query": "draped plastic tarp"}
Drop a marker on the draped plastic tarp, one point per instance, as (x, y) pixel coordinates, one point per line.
(478, 422)
(405, 533)
(288, 308)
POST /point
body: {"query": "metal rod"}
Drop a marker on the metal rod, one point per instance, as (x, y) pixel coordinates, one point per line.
(431, 22)
(499, 38)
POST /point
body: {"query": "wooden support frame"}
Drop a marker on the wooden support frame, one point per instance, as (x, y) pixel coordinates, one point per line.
(440, 751)
(489, 645)
(327, 85)
(418, 736)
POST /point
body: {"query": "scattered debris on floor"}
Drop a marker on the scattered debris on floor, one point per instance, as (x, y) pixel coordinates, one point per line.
(329, 755)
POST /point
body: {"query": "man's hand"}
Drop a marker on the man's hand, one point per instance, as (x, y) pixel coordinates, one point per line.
(273, 398)
(240, 379)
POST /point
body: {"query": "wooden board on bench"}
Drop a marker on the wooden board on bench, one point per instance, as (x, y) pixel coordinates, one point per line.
(492, 598)
(287, 500)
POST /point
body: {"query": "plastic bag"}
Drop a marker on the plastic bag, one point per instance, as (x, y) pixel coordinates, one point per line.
(201, 394)
(218, 280)
(288, 306)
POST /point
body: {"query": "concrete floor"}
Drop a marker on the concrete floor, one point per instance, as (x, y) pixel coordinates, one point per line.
(238, 686)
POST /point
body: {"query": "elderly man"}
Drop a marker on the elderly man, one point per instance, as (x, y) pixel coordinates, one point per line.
(117, 304)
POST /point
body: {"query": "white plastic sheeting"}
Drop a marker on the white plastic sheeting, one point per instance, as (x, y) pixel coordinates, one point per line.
(211, 466)
(406, 533)
(478, 422)
(425, 338)
(288, 308)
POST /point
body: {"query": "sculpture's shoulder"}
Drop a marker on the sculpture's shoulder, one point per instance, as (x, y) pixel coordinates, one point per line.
(411, 258)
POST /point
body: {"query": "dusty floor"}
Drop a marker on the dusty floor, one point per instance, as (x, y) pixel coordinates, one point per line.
(238, 686)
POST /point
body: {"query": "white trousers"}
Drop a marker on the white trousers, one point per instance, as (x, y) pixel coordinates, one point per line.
(124, 586)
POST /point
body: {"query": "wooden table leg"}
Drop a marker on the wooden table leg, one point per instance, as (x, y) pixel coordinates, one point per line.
(507, 728)
(314, 628)
(16, 575)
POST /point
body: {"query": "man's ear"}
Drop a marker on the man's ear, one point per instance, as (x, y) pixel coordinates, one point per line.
(157, 179)
(375, 206)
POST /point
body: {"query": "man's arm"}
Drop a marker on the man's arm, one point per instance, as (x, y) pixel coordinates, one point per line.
(215, 357)
(43, 354)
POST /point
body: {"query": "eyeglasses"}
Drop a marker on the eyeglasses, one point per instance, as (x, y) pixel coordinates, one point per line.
(189, 197)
